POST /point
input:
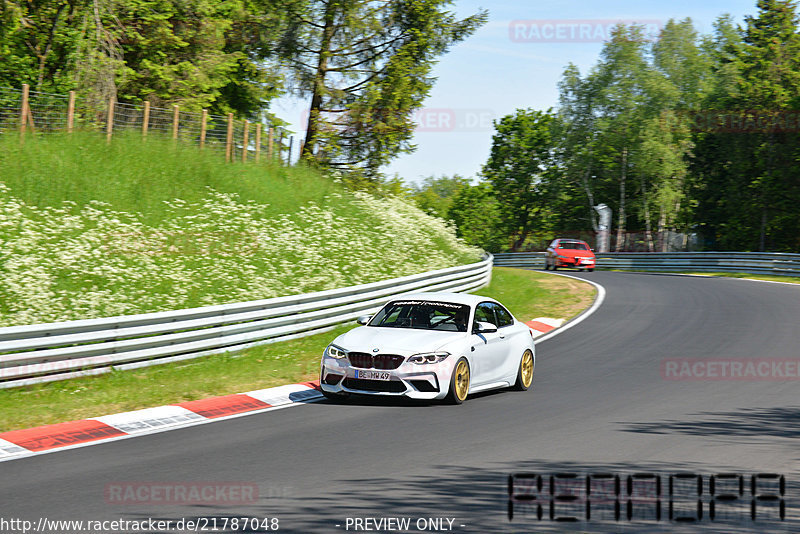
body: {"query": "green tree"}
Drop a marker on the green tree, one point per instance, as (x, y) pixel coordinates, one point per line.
(37, 41)
(746, 179)
(622, 106)
(195, 53)
(476, 214)
(365, 66)
(435, 195)
(521, 157)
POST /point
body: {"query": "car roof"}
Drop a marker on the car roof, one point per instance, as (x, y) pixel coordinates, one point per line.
(444, 296)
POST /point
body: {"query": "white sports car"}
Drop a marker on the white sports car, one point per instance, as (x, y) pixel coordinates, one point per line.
(420, 346)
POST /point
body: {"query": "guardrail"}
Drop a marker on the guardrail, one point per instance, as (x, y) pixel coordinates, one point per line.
(56, 351)
(774, 263)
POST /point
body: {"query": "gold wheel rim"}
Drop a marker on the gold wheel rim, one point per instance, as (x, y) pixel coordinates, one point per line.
(527, 368)
(462, 380)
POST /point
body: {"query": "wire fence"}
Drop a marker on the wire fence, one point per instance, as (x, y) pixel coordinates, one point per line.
(655, 241)
(25, 112)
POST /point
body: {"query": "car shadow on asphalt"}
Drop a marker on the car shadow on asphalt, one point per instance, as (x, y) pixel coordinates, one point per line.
(405, 402)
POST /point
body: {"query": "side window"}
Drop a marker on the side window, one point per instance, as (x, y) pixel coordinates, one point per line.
(484, 314)
(504, 318)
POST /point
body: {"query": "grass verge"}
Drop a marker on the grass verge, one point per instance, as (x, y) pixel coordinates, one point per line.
(528, 294)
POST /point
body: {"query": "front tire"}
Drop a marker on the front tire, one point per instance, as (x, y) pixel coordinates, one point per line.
(525, 372)
(591, 270)
(459, 382)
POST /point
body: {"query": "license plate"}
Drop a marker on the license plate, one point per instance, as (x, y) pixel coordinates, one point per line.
(373, 375)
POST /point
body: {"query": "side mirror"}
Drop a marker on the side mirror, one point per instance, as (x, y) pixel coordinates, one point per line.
(484, 328)
(364, 319)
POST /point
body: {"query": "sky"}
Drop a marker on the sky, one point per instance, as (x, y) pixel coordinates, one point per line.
(515, 61)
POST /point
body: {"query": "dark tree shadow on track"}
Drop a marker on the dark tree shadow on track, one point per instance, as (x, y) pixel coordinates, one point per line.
(751, 423)
(477, 500)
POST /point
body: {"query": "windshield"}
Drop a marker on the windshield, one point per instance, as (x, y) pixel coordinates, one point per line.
(573, 246)
(423, 315)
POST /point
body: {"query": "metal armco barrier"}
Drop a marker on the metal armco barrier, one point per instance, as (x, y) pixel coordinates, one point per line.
(56, 351)
(731, 262)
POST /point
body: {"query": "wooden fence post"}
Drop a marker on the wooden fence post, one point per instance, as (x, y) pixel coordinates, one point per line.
(71, 112)
(245, 140)
(175, 119)
(203, 120)
(269, 144)
(280, 147)
(23, 111)
(110, 120)
(146, 118)
(229, 139)
(289, 155)
(258, 142)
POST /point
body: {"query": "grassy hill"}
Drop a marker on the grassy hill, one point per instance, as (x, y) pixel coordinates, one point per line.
(93, 230)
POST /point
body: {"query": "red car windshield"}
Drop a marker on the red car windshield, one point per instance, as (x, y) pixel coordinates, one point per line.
(573, 246)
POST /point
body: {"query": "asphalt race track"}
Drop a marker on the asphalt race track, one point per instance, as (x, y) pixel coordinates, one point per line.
(599, 405)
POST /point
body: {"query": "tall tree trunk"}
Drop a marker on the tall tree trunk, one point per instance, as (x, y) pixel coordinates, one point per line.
(590, 195)
(43, 54)
(319, 80)
(648, 227)
(621, 219)
(662, 224)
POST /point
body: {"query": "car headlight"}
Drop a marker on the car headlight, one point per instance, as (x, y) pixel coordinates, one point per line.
(336, 352)
(428, 357)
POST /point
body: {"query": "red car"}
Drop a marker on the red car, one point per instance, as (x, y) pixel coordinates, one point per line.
(569, 253)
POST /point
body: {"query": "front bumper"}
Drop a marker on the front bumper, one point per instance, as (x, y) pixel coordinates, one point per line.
(426, 381)
(578, 263)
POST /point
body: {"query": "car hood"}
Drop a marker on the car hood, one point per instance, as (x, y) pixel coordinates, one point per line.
(408, 340)
(572, 253)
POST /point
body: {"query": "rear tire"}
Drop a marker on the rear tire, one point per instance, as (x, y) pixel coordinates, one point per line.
(546, 266)
(525, 372)
(591, 269)
(459, 382)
